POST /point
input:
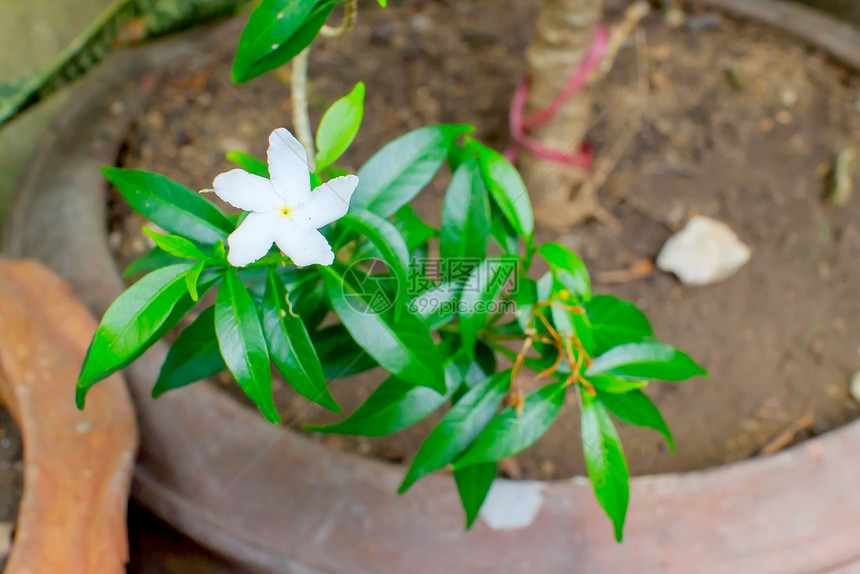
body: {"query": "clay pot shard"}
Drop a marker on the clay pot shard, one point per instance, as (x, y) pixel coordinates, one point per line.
(78, 465)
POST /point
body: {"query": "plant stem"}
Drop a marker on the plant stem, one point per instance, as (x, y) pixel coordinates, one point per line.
(299, 95)
(349, 16)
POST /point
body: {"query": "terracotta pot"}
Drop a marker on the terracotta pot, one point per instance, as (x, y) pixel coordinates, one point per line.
(77, 465)
(270, 498)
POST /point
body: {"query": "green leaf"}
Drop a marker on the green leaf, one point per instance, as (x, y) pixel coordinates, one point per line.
(290, 346)
(501, 230)
(635, 408)
(509, 432)
(192, 357)
(249, 163)
(458, 428)
(473, 484)
(338, 127)
(242, 344)
(394, 405)
(567, 321)
(612, 384)
(568, 268)
(507, 188)
(130, 325)
(153, 259)
(339, 354)
(485, 284)
(390, 244)
(392, 177)
(437, 306)
(616, 322)
(525, 297)
(192, 276)
(308, 300)
(645, 361)
(414, 231)
(465, 216)
(169, 205)
(405, 348)
(605, 461)
(276, 32)
(383, 3)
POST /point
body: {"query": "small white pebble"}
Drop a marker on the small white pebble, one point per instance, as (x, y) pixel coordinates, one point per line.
(788, 97)
(83, 427)
(854, 388)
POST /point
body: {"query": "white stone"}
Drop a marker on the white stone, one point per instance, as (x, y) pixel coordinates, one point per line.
(704, 252)
(512, 504)
(5, 540)
(854, 388)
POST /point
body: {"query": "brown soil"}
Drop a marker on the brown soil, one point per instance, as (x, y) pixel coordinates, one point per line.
(750, 147)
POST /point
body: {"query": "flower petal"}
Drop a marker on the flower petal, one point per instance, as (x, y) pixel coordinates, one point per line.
(288, 167)
(328, 202)
(246, 191)
(304, 245)
(252, 239)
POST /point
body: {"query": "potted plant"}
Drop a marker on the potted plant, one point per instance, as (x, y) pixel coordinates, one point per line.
(363, 494)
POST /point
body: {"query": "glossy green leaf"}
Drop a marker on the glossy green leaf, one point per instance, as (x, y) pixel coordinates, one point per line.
(130, 324)
(568, 268)
(389, 243)
(276, 32)
(153, 259)
(645, 361)
(465, 216)
(459, 427)
(635, 408)
(437, 306)
(192, 276)
(309, 302)
(525, 297)
(338, 127)
(616, 322)
(175, 245)
(169, 205)
(414, 231)
(192, 357)
(290, 346)
(392, 177)
(506, 187)
(615, 385)
(567, 320)
(481, 290)
(405, 348)
(502, 231)
(243, 345)
(394, 405)
(510, 432)
(249, 163)
(604, 458)
(339, 354)
(473, 484)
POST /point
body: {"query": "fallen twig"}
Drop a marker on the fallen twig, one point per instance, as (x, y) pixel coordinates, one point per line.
(786, 437)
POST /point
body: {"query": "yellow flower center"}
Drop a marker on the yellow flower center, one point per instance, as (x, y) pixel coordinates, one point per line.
(285, 211)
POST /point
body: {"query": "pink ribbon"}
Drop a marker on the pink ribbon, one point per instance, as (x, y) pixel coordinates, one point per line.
(584, 156)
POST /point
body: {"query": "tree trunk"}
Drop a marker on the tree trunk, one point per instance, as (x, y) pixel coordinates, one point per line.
(562, 36)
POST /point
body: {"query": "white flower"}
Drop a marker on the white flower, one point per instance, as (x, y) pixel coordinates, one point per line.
(283, 209)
